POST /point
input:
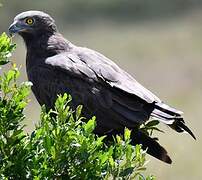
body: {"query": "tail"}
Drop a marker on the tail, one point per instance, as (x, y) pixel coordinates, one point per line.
(152, 146)
(172, 117)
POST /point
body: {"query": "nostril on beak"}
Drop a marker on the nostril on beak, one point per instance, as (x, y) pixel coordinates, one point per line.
(13, 29)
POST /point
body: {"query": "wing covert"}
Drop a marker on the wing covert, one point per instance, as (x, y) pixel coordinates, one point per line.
(93, 65)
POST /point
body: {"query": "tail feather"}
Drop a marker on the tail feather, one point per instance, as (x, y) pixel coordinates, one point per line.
(168, 110)
(152, 146)
(172, 117)
(180, 126)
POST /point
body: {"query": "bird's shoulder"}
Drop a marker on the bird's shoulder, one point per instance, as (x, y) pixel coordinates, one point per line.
(82, 60)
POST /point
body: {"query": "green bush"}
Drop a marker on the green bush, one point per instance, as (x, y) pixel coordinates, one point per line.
(62, 146)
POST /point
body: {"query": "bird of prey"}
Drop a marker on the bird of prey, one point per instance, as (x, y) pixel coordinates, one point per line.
(56, 66)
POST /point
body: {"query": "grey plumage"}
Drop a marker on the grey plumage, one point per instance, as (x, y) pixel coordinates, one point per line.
(55, 66)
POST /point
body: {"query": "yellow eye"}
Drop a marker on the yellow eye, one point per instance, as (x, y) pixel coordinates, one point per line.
(29, 21)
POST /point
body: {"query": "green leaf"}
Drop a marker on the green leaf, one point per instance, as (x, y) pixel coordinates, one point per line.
(127, 134)
(157, 129)
(78, 111)
(90, 126)
(53, 152)
(47, 143)
(103, 157)
(111, 161)
(152, 123)
(3, 62)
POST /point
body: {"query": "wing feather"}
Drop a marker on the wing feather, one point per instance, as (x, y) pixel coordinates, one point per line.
(101, 69)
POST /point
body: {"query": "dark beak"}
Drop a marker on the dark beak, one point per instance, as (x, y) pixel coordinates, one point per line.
(14, 28)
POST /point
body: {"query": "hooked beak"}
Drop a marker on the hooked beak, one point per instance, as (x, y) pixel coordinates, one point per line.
(14, 28)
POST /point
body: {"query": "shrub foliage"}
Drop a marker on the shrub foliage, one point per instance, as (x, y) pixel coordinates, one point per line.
(61, 146)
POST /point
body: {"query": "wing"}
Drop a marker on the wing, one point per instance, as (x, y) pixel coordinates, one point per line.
(95, 66)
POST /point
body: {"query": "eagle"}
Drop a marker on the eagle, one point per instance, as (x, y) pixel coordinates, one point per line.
(56, 66)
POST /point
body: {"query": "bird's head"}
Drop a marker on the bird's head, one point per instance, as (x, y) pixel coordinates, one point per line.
(32, 22)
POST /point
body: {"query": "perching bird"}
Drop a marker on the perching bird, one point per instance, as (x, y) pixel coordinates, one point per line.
(55, 66)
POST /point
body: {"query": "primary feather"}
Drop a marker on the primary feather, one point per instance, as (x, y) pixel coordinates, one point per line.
(55, 66)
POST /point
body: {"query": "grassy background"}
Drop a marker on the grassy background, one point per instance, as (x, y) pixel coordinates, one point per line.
(164, 54)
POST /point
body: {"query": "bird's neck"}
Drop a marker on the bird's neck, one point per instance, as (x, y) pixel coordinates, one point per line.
(45, 44)
(41, 47)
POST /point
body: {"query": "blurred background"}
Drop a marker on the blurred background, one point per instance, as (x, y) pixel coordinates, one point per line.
(159, 42)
